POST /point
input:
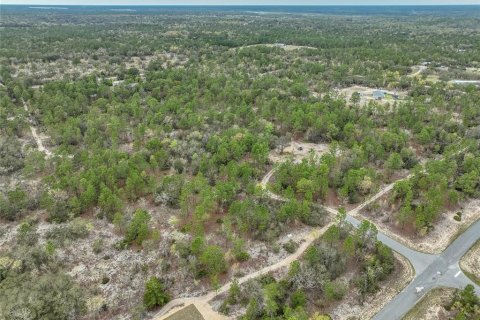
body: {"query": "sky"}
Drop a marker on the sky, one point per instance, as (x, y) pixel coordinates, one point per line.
(241, 2)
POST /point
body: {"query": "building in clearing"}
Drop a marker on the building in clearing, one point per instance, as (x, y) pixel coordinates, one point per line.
(477, 82)
(378, 94)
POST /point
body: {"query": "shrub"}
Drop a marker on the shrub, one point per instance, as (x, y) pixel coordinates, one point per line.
(458, 216)
(334, 290)
(74, 230)
(239, 252)
(290, 246)
(50, 296)
(155, 295)
(213, 260)
(138, 230)
(13, 205)
(97, 246)
(298, 299)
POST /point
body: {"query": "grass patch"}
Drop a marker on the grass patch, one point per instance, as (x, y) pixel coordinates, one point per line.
(470, 275)
(188, 313)
(437, 296)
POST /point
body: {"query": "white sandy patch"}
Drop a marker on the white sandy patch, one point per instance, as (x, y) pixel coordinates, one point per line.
(286, 47)
(299, 150)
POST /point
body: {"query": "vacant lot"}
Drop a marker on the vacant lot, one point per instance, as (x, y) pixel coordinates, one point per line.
(470, 263)
(444, 232)
(431, 305)
(298, 150)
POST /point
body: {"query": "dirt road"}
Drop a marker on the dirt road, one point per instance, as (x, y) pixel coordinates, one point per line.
(36, 137)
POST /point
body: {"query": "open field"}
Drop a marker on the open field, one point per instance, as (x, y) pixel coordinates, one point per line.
(187, 313)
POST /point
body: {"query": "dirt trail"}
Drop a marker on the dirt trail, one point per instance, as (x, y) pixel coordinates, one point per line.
(202, 302)
(38, 140)
(418, 72)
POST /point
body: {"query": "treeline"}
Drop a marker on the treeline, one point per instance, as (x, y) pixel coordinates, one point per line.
(392, 41)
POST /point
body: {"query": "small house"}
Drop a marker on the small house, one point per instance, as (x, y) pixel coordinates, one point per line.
(378, 94)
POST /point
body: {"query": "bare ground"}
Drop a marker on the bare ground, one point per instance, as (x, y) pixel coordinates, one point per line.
(286, 47)
(417, 70)
(299, 150)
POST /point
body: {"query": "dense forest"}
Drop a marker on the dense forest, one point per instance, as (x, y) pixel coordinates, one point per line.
(132, 147)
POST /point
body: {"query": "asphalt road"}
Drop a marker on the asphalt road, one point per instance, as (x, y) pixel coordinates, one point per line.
(431, 271)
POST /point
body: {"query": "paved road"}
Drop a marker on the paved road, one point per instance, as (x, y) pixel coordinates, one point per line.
(431, 271)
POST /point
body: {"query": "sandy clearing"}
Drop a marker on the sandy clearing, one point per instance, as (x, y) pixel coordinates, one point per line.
(298, 150)
(286, 47)
(418, 70)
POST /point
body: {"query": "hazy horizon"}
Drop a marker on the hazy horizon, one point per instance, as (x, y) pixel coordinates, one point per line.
(246, 3)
